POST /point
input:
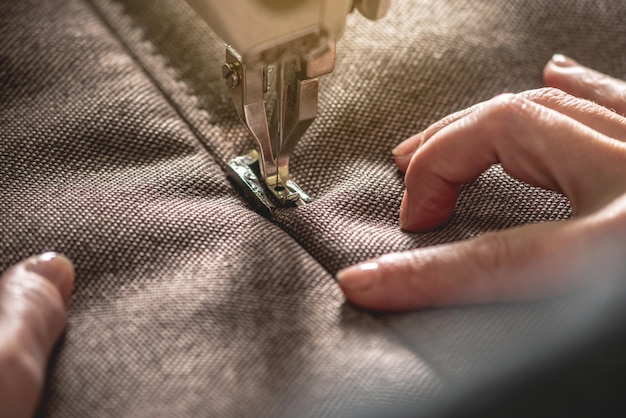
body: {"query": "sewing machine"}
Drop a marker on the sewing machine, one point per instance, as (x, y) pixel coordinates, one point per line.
(276, 50)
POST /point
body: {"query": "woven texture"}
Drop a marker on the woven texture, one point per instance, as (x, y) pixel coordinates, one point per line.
(114, 130)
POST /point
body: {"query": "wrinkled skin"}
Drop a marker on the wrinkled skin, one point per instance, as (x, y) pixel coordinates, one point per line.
(568, 137)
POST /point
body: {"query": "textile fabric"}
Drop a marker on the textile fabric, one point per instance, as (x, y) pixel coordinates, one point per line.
(115, 127)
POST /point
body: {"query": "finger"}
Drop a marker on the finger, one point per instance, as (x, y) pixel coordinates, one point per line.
(534, 144)
(525, 263)
(584, 111)
(34, 296)
(568, 75)
(404, 151)
(589, 113)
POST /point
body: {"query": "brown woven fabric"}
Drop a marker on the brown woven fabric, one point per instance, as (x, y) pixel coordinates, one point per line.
(114, 129)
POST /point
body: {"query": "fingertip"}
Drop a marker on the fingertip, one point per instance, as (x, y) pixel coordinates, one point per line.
(361, 285)
(408, 146)
(556, 68)
(382, 284)
(57, 269)
(402, 162)
(403, 153)
(563, 61)
(561, 66)
(360, 277)
(564, 73)
(424, 209)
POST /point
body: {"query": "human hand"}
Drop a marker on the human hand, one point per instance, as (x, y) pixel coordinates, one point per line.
(34, 298)
(569, 137)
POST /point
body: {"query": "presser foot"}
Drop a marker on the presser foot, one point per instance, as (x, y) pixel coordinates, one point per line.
(244, 171)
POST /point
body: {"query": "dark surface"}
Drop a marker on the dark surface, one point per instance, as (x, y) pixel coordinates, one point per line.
(115, 128)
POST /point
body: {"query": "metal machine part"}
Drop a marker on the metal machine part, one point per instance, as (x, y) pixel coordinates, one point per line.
(294, 109)
(276, 51)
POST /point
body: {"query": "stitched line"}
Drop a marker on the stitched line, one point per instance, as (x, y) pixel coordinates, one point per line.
(147, 47)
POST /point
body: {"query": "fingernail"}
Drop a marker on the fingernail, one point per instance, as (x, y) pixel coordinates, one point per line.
(400, 151)
(360, 277)
(406, 148)
(55, 267)
(402, 158)
(561, 60)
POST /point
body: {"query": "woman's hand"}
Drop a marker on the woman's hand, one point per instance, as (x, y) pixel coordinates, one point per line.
(34, 298)
(569, 137)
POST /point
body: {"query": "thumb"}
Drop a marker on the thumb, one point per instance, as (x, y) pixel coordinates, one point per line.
(519, 264)
(34, 296)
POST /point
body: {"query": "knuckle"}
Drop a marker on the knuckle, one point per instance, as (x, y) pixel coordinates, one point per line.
(509, 111)
(442, 123)
(493, 253)
(558, 99)
(424, 273)
(596, 81)
(577, 104)
(621, 100)
(418, 273)
(500, 257)
(506, 110)
(603, 88)
(507, 106)
(547, 95)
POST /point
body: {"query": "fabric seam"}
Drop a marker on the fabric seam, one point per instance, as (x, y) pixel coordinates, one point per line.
(176, 77)
(183, 86)
(188, 91)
